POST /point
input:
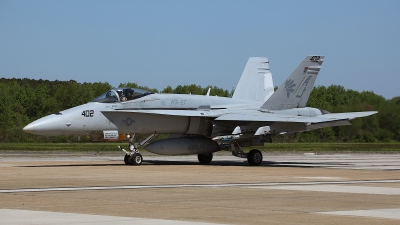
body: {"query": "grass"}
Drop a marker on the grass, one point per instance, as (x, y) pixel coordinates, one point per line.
(274, 147)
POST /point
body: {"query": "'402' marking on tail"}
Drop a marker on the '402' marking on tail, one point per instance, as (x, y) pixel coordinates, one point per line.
(315, 58)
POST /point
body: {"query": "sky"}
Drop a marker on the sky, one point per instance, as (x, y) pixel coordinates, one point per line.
(205, 42)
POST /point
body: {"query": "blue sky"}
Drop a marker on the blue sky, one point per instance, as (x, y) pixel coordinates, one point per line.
(207, 42)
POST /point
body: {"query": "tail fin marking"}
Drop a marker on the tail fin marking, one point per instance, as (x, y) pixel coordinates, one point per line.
(295, 91)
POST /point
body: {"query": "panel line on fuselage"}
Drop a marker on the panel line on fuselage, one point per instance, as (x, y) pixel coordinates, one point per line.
(166, 108)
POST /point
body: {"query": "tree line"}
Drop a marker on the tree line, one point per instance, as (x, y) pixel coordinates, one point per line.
(25, 100)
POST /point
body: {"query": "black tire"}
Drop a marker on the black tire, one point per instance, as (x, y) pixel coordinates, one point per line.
(126, 159)
(136, 159)
(254, 157)
(205, 158)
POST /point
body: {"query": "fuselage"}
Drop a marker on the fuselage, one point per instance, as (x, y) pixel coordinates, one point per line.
(87, 119)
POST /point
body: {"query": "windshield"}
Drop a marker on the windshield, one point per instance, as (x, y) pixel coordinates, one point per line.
(121, 95)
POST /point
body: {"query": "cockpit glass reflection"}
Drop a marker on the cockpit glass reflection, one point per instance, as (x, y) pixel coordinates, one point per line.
(121, 95)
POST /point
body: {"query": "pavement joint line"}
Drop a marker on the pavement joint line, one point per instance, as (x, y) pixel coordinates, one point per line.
(127, 187)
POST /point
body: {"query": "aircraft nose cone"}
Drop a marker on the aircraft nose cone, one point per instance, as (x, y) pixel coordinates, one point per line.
(29, 128)
(48, 126)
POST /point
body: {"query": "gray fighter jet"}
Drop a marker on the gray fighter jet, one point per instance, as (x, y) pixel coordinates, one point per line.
(200, 124)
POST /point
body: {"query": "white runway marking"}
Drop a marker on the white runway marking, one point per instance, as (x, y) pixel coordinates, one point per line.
(377, 213)
(277, 185)
(339, 189)
(322, 178)
(27, 217)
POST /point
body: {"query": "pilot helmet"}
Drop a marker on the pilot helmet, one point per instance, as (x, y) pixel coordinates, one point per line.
(119, 92)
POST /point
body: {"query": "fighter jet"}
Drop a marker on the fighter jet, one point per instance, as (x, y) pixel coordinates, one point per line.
(255, 85)
(200, 124)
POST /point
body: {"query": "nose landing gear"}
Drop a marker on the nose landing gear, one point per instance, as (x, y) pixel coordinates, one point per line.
(135, 159)
(132, 156)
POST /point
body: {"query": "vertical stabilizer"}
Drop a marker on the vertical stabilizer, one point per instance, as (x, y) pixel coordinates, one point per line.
(296, 89)
(255, 84)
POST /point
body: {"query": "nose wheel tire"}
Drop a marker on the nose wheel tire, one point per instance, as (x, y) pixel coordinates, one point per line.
(254, 157)
(126, 159)
(205, 158)
(135, 159)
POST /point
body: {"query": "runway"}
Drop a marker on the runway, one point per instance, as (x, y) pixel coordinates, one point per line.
(285, 189)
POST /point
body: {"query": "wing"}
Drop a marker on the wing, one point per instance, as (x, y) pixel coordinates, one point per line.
(163, 121)
(269, 117)
(268, 123)
(225, 122)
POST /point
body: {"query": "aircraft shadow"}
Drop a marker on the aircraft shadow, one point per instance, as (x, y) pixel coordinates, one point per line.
(75, 165)
(185, 163)
(304, 164)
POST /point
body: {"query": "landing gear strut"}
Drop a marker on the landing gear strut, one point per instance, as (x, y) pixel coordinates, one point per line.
(254, 157)
(132, 156)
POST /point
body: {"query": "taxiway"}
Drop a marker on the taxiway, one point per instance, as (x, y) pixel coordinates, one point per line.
(285, 189)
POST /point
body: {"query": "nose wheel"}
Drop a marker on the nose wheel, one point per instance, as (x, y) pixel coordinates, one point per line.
(135, 159)
(132, 156)
(126, 159)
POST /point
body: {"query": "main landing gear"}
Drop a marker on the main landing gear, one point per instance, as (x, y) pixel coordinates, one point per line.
(254, 157)
(132, 156)
(205, 158)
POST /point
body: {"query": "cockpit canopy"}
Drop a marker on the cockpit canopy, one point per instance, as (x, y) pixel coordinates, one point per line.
(121, 95)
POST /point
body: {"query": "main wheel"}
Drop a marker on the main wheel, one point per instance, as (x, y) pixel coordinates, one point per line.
(205, 158)
(254, 157)
(126, 159)
(136, 159)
